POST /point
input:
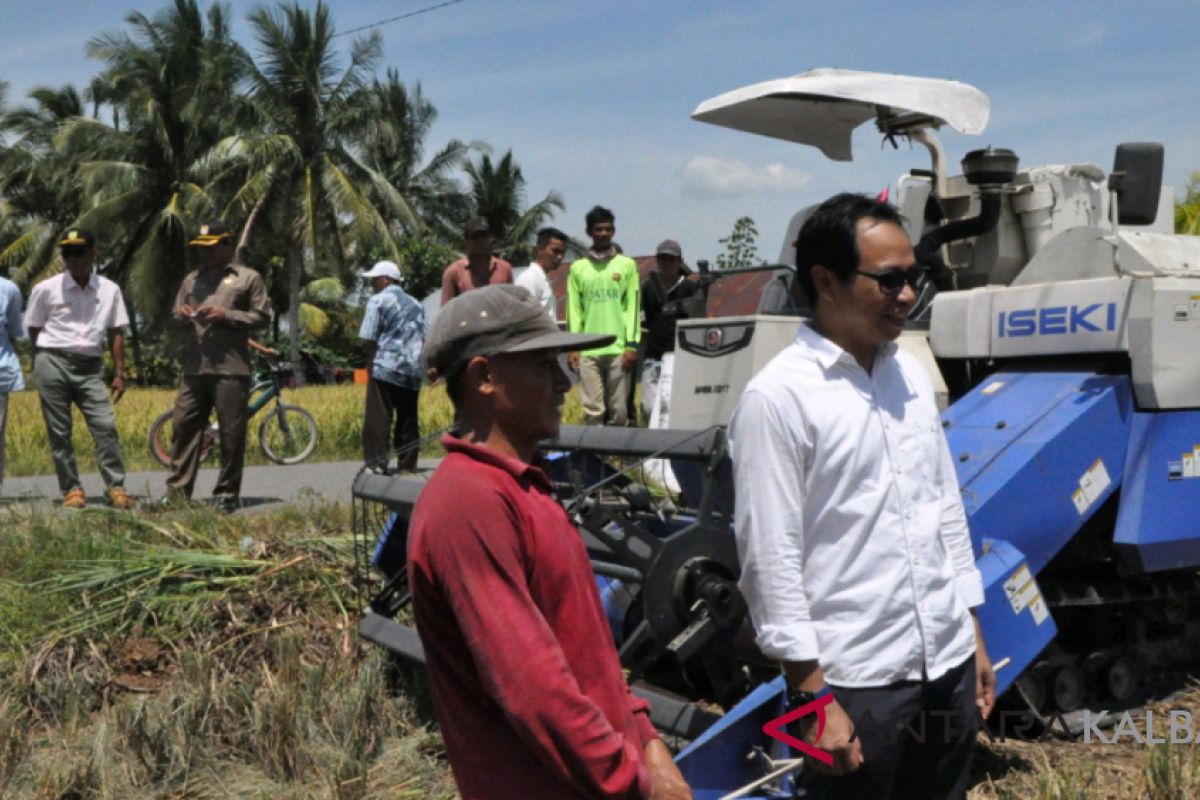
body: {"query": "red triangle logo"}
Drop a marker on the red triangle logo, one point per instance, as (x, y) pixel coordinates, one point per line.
(775, 727)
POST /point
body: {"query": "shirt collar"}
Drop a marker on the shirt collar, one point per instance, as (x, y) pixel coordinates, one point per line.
(827, 353)
(68, 281)
(513, 466)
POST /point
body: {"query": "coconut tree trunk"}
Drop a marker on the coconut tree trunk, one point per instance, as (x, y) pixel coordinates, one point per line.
(295, 264)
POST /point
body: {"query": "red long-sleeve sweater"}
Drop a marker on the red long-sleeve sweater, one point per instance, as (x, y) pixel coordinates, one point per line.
(526, 682)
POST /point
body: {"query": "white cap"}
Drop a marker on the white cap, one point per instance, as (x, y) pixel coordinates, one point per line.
(383, 269)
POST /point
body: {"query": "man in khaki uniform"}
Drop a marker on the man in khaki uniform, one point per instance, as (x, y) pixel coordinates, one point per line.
(69, 317)
(217, 307)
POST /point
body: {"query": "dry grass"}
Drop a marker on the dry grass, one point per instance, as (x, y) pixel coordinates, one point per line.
(1073, 770)
(228, 667)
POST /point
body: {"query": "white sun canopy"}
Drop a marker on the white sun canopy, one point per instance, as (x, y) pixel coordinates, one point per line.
(823, 106)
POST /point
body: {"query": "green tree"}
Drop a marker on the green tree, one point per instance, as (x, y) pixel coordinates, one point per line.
(148, 183)
(302, 159)
(1187, 210)
(427, 197)
(37, 183)
(741, 250)
(498, 193)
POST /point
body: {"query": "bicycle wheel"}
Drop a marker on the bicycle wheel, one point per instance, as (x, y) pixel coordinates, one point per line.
(288, 435)
(162, 439)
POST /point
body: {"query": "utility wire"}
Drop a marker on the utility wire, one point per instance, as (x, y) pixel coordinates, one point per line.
(425, 10)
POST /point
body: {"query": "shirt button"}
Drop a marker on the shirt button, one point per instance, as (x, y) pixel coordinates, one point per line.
(916, 560)
(908, 515)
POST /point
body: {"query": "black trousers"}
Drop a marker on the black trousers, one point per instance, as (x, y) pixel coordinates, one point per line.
(390, 424)
(917, 740)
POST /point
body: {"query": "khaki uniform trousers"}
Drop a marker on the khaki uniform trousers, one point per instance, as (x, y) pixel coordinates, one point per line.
(604, 390)
(198, 395)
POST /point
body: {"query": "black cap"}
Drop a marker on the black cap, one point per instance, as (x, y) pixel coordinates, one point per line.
(213, 232)
(77, 236)
(502, 318)
(476, 225)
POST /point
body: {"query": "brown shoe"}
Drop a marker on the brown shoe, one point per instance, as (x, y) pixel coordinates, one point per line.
(119, 499)
(75, 498)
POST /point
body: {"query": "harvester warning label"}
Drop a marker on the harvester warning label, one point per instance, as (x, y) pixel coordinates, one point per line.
(1188, 465)
(1091, 485)
(1023, 592)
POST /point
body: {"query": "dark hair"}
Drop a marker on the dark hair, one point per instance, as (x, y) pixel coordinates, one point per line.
(829, 237)
(455, 384)
(546, 235)
(598, 214)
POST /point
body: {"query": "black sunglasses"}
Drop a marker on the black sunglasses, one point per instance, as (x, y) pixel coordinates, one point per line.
(891, 281)
(73, 251)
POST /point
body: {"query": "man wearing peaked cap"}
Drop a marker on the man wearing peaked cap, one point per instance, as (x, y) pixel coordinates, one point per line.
(526, 683)
(216, 308)
(394, 327)
(69, 317)
(479, 267)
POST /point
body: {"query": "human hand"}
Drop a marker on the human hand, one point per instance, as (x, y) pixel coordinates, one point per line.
(629, 360)
(985, 677)
(573, 361)
(666, 782)
(270, 352)
(118, 388)
(210, 313)
(837, 738)
(185, 311)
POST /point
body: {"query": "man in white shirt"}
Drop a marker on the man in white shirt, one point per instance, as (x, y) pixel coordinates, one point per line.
(551, 247)
(857, 563)
(69, 317)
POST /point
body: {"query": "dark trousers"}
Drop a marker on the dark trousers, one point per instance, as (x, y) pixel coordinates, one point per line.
(917, 739)
(390, 425)
(198, 395)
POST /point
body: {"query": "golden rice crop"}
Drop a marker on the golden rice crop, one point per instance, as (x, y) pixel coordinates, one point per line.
(337, 409)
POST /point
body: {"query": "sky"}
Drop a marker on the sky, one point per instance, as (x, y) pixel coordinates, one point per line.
(594, 99)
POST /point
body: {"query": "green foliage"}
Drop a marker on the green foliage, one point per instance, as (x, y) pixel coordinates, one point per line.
(498, 193)
(300, 145)
(740, 248)
(1187, 210)
(422, 262)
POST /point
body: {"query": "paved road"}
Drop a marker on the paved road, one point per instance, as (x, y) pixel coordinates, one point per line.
(261, 486)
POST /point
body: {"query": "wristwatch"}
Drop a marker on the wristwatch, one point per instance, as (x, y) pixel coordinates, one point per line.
(799, 697)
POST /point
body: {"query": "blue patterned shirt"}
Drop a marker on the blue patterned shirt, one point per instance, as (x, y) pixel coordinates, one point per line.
(10, 330)
(397, 324)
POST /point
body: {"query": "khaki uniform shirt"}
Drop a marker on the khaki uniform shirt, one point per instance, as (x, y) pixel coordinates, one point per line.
(220, 348)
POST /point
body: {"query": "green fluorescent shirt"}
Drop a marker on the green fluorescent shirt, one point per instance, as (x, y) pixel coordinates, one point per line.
(603, 297)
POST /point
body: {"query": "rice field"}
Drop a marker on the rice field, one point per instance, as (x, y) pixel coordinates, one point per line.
(337, 409)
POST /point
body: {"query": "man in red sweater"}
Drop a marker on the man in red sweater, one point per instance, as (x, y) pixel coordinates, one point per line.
(526, 683)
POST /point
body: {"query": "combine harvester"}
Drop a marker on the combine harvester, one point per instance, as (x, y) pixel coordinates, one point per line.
(1064, 339)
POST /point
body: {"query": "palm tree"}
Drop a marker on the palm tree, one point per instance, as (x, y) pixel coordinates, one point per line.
(149, 183)
(37, 182)
(432, 200)
(498, 192)
(310, 114)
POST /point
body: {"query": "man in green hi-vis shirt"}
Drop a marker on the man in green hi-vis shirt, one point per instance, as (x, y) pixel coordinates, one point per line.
(603, 297)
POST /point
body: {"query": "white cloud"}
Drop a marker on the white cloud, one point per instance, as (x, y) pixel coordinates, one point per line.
(711, 176)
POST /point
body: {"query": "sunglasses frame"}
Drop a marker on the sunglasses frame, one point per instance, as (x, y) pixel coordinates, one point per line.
(916, 278)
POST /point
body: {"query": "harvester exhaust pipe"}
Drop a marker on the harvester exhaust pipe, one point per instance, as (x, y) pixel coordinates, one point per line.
(991, 170)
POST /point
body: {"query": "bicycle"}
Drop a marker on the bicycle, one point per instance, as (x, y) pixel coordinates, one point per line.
(287, 435)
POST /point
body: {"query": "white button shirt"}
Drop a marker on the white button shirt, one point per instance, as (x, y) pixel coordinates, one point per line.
(74, 318)
(851, 532)
(534, 279)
